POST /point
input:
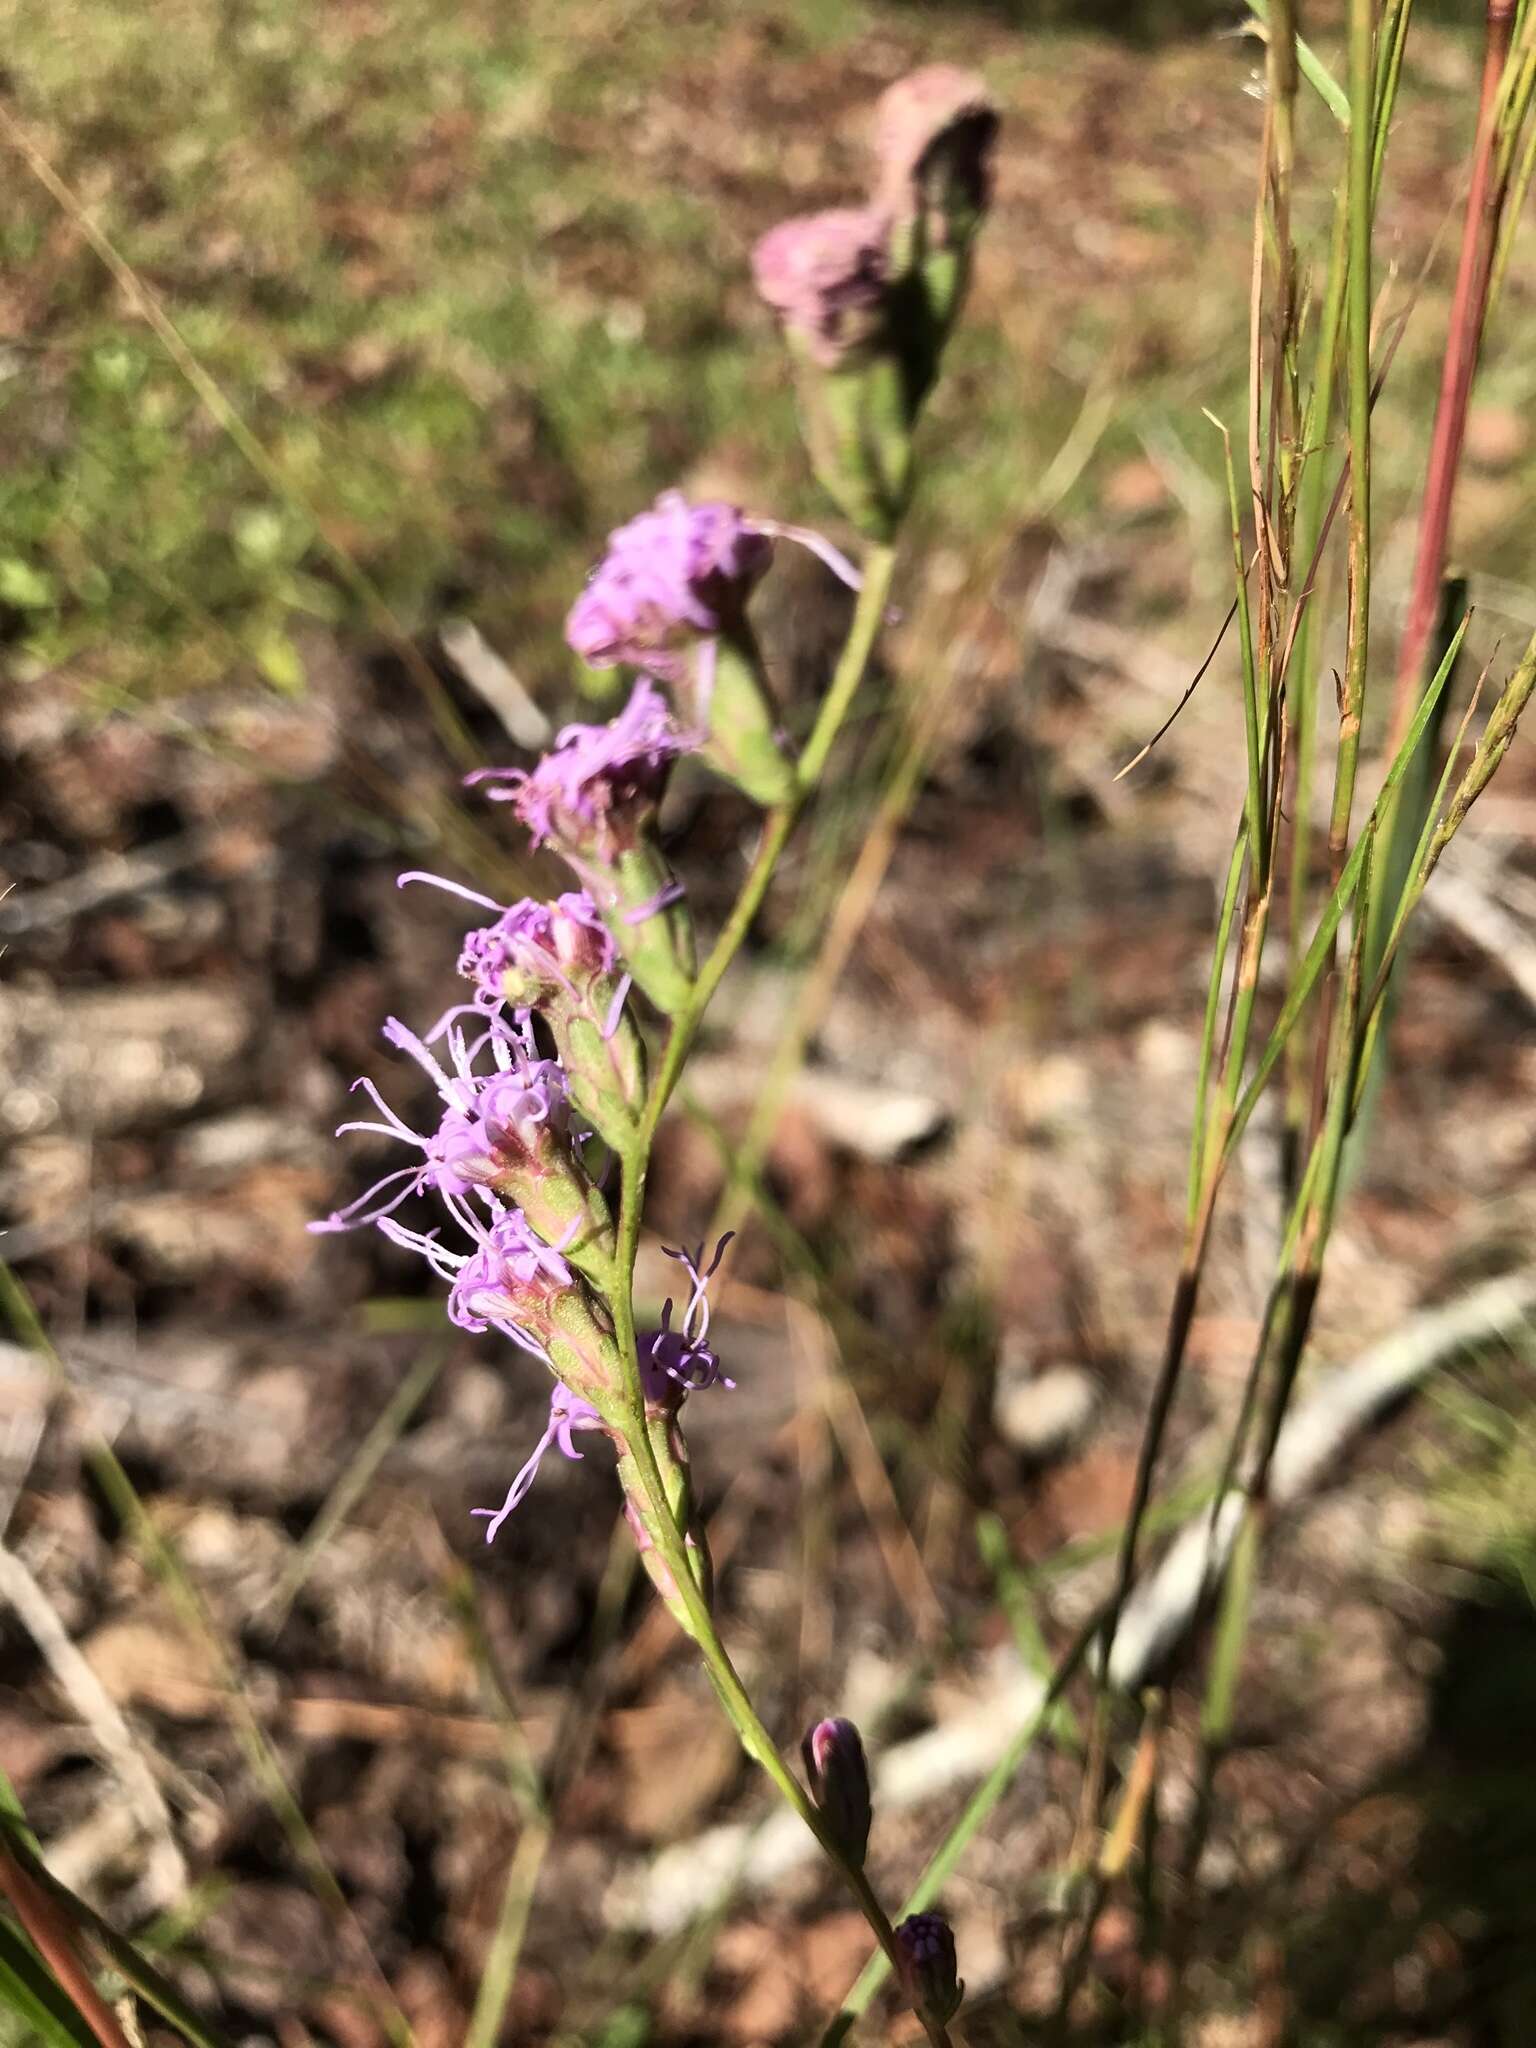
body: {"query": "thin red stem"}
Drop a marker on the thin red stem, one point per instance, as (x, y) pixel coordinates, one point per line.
(1469, 307)
(50, 1934)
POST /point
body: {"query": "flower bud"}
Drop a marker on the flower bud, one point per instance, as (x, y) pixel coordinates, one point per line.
(827, 277)
(935, 132)
(925, 1948)
(839, 1780)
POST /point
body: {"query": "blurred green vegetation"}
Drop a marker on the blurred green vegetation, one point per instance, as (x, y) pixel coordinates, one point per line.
(471, 280)
(372, 231)
(476, 281)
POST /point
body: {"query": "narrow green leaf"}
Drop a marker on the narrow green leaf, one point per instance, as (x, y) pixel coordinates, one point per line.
(1319, 952)
(1313, 69)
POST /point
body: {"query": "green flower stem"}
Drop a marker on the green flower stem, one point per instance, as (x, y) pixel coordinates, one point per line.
(1358, 377)
(634, 1160)
(777, 826)
(732, 1694)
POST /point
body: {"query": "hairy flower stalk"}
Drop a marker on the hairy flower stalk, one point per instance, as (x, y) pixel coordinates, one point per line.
(670, 596)
(594, 798)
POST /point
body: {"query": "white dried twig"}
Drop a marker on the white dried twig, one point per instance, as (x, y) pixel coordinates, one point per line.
(166, 1875)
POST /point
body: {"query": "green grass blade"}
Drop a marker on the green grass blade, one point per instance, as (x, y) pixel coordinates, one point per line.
(1313, 69)
(260, 1753)
(138, 1973)
(496, 1986)
(1320, 951)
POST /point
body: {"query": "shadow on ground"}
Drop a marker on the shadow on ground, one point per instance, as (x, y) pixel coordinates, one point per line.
(1444, 1945)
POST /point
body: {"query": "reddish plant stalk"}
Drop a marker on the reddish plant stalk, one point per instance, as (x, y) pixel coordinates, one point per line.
(49, 1932)
(1469, 307)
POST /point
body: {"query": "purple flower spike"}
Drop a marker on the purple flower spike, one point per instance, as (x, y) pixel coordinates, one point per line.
(567, 1413)
(826, 276)
(675, 574)
(596, 790)
(682, 1357)
(925, 1945)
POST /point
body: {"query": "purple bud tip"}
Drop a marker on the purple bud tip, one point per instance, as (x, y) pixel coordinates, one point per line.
(925, 1948)
(935, 128)
(825, 275)
(838, 1775)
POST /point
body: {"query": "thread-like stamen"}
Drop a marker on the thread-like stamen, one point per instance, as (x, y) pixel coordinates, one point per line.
(453, 888)
(816, 543)
(668, 894)
(616, 1008)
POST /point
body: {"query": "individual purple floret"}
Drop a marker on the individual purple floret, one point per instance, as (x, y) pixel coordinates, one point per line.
(683, 1356)
(509, 1282)
(567, 1413)
(492, 1124)
(925, 1946)
(454, 1154)
(598, 786)
(541, 946)
(827, 276)
(537, 950)
(594, 797)
(676, 574)
(674, 1364)
(561, 959)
